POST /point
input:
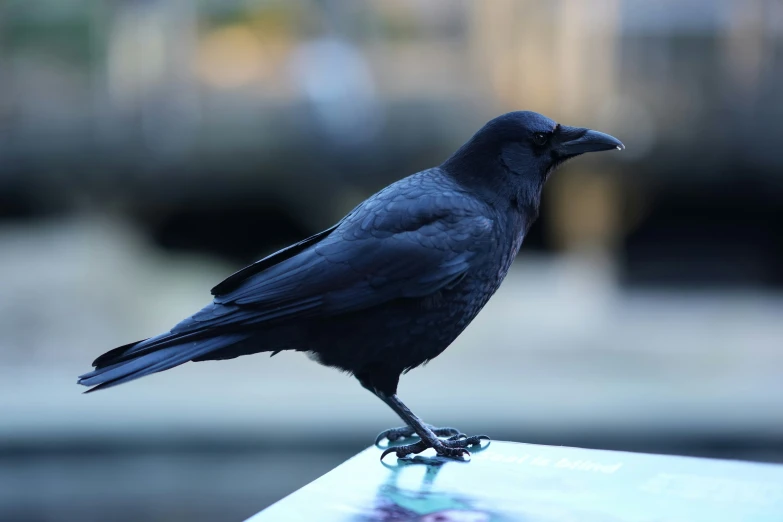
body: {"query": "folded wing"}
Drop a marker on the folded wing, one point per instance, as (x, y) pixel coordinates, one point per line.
(406, 249)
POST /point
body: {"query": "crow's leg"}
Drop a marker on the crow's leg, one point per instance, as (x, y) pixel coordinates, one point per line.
(382, 381)
(404, 432)
(455, 446)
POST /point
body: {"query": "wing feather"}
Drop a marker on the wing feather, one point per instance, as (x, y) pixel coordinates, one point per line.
(390, 247)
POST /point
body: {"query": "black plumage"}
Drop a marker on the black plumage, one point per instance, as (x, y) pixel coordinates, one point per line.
(392, 284)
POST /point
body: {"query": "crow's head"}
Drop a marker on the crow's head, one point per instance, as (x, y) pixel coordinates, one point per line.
(511, 157)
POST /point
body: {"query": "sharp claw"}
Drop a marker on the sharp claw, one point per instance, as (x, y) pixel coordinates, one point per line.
(461, 452)
(390, 450)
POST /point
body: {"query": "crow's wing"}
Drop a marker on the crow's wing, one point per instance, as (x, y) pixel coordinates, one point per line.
(389, 247)
(233, 281)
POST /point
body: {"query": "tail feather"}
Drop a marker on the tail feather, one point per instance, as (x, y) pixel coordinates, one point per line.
(153, 344)
(127, 363)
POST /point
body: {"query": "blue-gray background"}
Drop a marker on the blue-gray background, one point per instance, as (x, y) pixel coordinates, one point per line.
(148, 148)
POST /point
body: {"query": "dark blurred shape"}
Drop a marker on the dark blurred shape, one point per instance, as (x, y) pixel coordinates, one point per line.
(712, 237)
(227, 231)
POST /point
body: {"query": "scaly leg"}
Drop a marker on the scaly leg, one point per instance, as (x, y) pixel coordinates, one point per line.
(453, 447)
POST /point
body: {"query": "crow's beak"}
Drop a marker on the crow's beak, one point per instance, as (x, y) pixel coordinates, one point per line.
(575, 141)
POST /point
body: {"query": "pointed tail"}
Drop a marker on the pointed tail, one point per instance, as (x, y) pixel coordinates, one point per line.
(152, 355)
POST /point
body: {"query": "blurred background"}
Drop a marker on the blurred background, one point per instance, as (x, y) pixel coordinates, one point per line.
(149, 148)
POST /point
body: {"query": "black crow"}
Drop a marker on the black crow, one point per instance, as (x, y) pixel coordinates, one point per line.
(392, 284)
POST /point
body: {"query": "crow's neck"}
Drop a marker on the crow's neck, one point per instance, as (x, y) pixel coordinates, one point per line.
(470, 160)
(501, 183)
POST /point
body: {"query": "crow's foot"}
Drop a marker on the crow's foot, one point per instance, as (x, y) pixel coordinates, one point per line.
(453, 447)
(395, 434)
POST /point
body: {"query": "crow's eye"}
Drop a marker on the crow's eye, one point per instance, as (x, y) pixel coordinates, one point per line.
(541, 138)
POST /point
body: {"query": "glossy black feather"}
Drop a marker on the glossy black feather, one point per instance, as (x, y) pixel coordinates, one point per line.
(234, 280)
